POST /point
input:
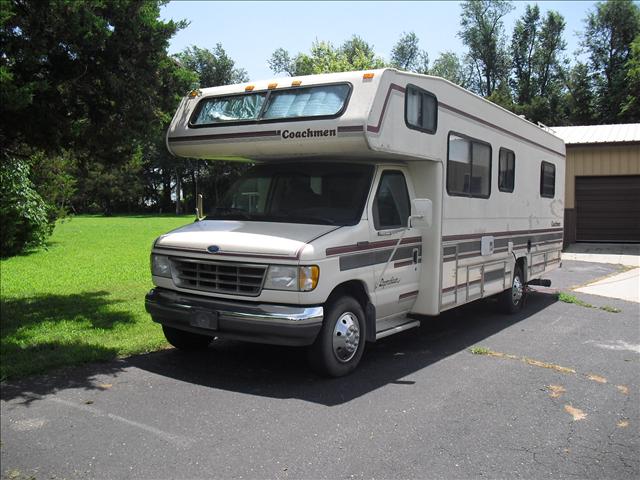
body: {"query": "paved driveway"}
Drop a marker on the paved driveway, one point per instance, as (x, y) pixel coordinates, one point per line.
(552, 393)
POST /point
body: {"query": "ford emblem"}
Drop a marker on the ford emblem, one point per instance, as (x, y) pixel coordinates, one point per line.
(213, 249)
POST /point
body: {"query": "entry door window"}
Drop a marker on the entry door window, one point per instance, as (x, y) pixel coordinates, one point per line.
(391, 207)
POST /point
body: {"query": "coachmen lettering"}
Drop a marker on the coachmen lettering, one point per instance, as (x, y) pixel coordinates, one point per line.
(308, 133)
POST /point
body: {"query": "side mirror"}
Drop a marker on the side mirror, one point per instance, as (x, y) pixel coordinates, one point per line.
(423, 213)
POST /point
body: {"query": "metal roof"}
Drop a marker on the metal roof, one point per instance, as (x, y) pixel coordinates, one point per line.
(584, 134)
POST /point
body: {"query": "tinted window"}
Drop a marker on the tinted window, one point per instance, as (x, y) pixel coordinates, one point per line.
(468, 167)
(421, 109)
(506, 170)
(304, 192)
(547, 180)
(391, 207)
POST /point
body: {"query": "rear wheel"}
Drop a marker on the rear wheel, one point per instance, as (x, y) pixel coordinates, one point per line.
(512, 299)
(186, 341)
(340, 343)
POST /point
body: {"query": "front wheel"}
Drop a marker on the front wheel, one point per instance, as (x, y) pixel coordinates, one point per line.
(340, 343)
(512, 299)
(186, 341)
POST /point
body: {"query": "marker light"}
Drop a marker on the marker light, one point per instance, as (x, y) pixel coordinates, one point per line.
(296, 83)
(368, 76)
(194, 93)
(272, 86)
(249, 88)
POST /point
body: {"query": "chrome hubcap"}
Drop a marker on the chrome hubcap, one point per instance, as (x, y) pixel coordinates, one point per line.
(346, 337)
(517, 290)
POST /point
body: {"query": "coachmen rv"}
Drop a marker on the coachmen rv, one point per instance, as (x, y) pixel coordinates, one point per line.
(376, 199)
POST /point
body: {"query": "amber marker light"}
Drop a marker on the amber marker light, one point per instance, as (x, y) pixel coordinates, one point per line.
(272, 86)
(194, 93)
(249, 88)
(368, 76)
(296, 83)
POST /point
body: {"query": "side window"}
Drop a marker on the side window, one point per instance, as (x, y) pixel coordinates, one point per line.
(547, 180)
(420, 110)
(391, 207)
(506, 170)
(468, 167)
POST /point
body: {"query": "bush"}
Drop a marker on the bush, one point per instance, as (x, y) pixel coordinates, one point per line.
(23, 212)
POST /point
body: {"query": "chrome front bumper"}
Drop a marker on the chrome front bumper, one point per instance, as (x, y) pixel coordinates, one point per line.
(253, 322)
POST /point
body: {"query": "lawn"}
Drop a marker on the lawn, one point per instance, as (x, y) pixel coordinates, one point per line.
(82, 298)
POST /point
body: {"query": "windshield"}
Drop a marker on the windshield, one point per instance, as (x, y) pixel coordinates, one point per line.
(299, 102)
(316, 193)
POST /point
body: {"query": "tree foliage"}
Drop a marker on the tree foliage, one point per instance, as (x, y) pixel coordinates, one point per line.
(407, 54)
(610, 30)
(23, 213)
(482, 31)
(354, 54)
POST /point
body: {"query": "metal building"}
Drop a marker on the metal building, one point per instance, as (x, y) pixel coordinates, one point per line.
(602, 189)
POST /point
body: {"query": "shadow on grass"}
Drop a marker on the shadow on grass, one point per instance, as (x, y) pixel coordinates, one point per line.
(43, 332)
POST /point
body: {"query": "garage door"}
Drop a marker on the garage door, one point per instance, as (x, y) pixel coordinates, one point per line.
(608, 209)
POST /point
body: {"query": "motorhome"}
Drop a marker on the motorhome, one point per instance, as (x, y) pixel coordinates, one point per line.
(376, 200)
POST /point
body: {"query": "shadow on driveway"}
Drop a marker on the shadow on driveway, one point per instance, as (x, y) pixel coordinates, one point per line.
(283, 372)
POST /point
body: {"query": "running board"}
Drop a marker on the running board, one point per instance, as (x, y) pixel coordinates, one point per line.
(398, 329)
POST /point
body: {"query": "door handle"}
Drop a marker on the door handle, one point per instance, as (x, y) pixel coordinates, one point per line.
(415, 255)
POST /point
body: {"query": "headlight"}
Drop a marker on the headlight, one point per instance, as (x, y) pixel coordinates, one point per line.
(284, 277)
(160, 265)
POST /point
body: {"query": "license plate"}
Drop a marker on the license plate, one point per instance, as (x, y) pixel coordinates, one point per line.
(208, 320)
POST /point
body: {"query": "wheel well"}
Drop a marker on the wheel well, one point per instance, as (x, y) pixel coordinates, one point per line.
(522, 264)
(357, 290)
(353, 288)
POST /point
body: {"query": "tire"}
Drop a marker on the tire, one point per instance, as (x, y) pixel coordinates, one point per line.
(340, 344)
(512, 299)
(187, 341)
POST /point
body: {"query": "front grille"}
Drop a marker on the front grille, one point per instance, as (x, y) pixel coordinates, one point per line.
(219, 277)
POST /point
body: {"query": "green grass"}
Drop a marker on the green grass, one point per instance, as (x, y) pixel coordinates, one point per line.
(567, 298)
(480, 351)
(82, 298)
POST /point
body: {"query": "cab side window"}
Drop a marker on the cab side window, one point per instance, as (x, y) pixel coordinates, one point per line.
(391, 207)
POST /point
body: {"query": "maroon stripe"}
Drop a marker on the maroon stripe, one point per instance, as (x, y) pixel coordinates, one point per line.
(472, 282)
(362, 246)
(224, 136)
(408, 294)
(499, 234)
(353, 128)
(492, 125)
(393, 86)
(402, 264)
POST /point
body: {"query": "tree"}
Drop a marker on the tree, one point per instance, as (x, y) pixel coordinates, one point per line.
(448, 65)
(609, 33)
(212, 68)
(482, 32)
(86, 75)
(536, 49)
(354, 54)
(407, 55)
(631, 107)
(579, 98)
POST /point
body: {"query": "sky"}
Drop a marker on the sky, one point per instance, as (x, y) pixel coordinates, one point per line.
(251, 31)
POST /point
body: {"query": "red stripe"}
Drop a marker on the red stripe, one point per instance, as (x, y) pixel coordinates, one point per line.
(492, 125)
(393, 86)
(363, 246)
(402, 264)
(408, 294)
(499, 234)
(224, 136)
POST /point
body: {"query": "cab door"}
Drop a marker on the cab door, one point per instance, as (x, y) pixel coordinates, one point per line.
(396, 287)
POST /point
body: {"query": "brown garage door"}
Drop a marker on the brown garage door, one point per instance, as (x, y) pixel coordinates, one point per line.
(608, 209)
